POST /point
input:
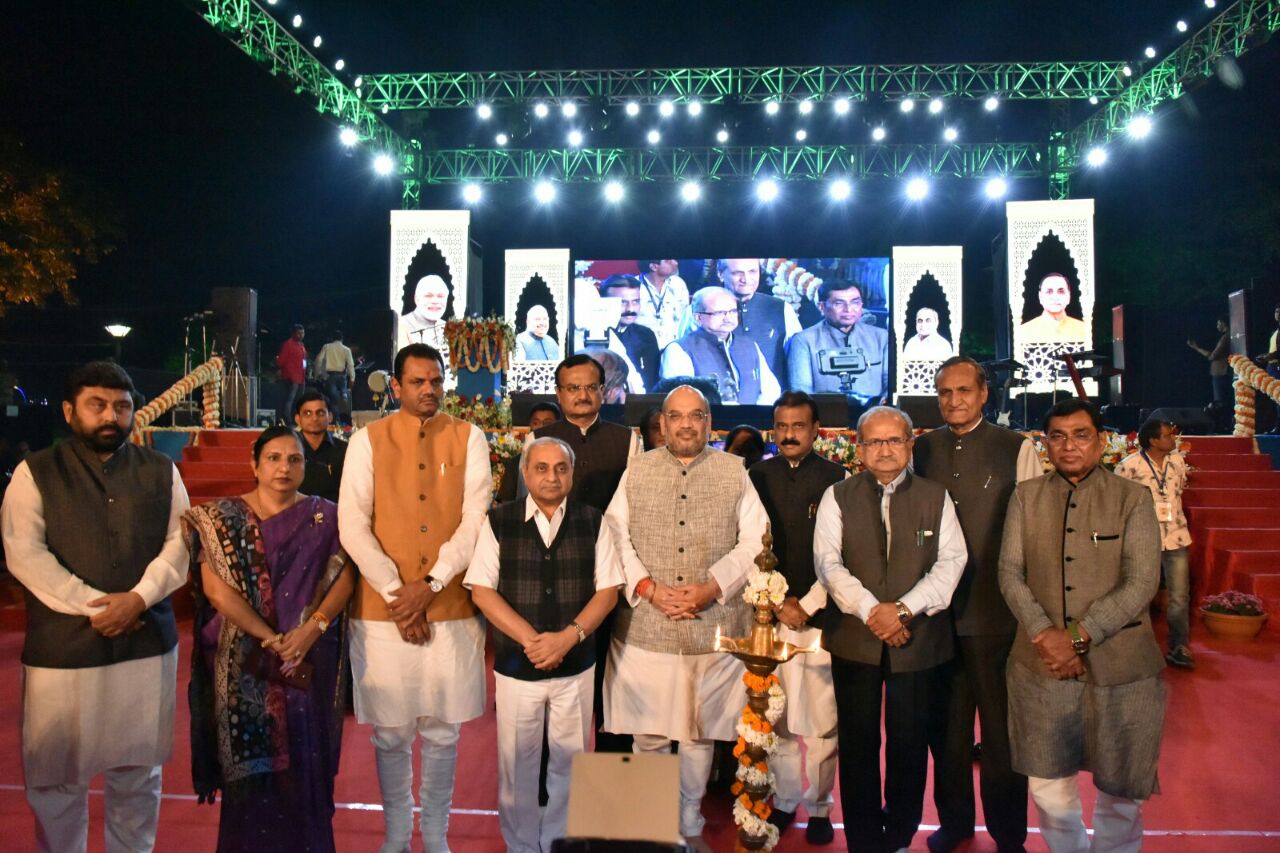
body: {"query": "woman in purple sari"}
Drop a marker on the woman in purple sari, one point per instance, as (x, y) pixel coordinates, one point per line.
(266, 707)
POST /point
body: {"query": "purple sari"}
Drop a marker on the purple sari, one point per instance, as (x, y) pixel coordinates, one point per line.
(272, 749)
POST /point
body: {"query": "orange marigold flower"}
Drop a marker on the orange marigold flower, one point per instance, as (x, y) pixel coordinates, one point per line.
(745, 760)
(762, 767)
(736, 788)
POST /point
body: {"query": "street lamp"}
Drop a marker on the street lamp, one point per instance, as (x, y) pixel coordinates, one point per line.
(118, 331)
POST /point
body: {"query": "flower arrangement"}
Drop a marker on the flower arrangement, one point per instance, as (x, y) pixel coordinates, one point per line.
(1250, 377)
(480, 342)
(1232, 602)
(504, 445)
(757, 740)
(488, 413)
(765, 589)
(839, 446)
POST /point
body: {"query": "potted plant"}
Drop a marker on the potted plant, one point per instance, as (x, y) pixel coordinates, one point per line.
(1233, 614)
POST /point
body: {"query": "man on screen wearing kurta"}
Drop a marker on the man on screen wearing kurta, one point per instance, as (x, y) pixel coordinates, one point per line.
(415, 490)
(688, 525)
(91, 530)
(1054, 323)
(1079, 566)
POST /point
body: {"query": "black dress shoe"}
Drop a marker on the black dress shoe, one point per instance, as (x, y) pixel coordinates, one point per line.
(944, 842)
(781, 819)
(819, 831)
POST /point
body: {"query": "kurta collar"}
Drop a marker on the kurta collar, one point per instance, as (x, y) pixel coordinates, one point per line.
(531, 509)
(1085, 482)
(973, 430)
(706, 451)
(894, 485)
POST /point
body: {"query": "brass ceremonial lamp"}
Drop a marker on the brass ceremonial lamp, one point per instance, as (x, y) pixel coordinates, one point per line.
(762, 652)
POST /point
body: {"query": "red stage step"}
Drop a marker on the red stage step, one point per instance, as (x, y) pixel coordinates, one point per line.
(1232, 516)
(228, 437)
(1218, 444)
(215, 453)
(1234, 479)
(1204, 496)
(1230, 461)
(218, 464)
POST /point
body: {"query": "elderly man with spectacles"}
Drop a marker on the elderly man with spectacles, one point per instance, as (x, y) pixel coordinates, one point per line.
(889, 548)
(712, 349)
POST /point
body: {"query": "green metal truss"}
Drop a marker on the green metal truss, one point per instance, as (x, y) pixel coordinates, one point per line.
(811, 162)
(1242, 26)
(978, 80)
(264, 39)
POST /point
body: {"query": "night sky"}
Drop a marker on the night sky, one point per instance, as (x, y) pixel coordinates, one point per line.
(220, 175)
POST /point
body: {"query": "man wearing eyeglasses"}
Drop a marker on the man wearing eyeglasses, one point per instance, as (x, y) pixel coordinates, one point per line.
(688, 524)
(888, 547)
(712, 349)
(841, 355)
(1079, 566)
(764, 318)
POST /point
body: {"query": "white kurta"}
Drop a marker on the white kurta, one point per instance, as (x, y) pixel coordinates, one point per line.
(77, 723)
(396, 682)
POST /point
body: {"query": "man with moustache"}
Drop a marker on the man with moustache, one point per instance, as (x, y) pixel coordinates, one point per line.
(638, 342)
(91, 531)
(664, 298)
(890, 552)
(533, 344)
(926, 344)
(790, 486)
(979, 464)
(325, 454)
(764, 318)
(712, 349)
(415, 490)
(842, 304)
(1079, 566)
(688, 525)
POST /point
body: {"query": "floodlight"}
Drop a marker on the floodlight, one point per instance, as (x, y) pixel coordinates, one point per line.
(339, 64)
(694, 108)
(722, 136)
(1150, 52)
(996, 188)
(471, 193)
(806, 107)
(544, 192)
(484, 111)
(878, 134)
(1139, 126)
(297, 20)
(690, 191)
(541, 110)
(917, 189)
(841, 106)
(767, 190)
(951, 134)
(568, 109)
(666, 109)
(1093, 100)
(385, 109)
(1181, 26)
(654, 137)
(907, 105)
(614, 191)
(359, 82)
(935, 106)
(383, 164)
(1209, 4)
(771, 107)
(1096, 156)
(840, 189)
(991, 104)
(802, 135)
(633, 109)
(1126, 71)
(348, 137)
(315, 42)
(575, 138)
(502, 139)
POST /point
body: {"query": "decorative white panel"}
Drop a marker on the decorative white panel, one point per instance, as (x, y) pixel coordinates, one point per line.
(550, 265)
(533, 377)
(448, 231)
(910, 264)
(1029, 222)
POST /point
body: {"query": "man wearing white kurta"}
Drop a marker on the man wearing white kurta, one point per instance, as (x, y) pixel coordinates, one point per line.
(545, 574)
(688, 524)
(415, 489)
(91, 530)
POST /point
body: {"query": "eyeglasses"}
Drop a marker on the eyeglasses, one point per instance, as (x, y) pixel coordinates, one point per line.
(593, 388)
(719, 315)
(840, 304)
(877, 443)
(696, 417)
(1079, 438)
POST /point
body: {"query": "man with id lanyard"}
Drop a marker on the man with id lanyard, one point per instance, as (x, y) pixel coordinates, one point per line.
(1160, 467)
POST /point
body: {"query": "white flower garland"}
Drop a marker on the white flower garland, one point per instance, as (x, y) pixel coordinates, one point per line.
(765, 589)
(792, 282)
(754, 825)
(777, 704)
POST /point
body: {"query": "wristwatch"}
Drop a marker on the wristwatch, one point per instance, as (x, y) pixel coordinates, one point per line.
(904, 612)
(435, 585)
(1078, 644)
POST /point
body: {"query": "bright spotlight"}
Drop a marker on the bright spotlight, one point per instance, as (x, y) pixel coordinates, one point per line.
(841, 106)
(1093, 100)
(1096, 157)
(1139, 126)
(359, 82)
(575, 138)
(541, 110)
(386, 109)
(544, 192)
(666, 109)
(722, 136)
(691, 191)
(348, 137)
(767, 190)
(654, 137)
(297, 20)
(339, 65)
(1181, 26)
(878, 134)
(771, 107)
(383, 164)
(1209, 4)
(951, 134)
(614, 192)
(805, 107)
(502, 139)
(907, 106)
(316, 42)
(633, 109)
(802, 135)
(996, 188)
(694, 108)
(471, 193)
(935, 106)
(917, 189)
(272, 2)
(568, 109)
(484, 111)
(1150, 52)
(840, 189)
(1126, 71)
(991, 104)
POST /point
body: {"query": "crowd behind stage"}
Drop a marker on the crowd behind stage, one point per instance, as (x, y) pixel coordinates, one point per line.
(950, 579)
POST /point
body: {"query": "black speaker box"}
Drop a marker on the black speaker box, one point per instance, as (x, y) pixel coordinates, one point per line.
(1189, 421)
(235, 322)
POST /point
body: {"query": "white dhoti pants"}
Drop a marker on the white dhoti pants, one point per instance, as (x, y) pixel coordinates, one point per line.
(565, 705)
(695, 769)
(810, 719)
(132, 810)
(438, 756)
(1117, 821)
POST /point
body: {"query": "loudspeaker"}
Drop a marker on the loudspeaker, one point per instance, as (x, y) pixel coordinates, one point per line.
(235, 322)
(923, 411)
(1189, 421)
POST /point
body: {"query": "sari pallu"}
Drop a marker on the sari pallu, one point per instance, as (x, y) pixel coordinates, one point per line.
(272, 749)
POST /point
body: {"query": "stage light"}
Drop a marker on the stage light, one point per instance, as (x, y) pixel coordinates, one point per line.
(315, 42)
(348, 137)
(935, 106)
(654, 137)
(666, 109)
(840, 189)
(802, 135)
(541, 110)
(1096, 156)
(568, 109)
(841, 106)
(544, 192)
(1093, 100)
(1209, 4)
(471, 193)
(502, 139)
(991, 104)
(691, 191)
(383, 164)
(917, 189)
(771, 107)
(1181, 26)
(951, 134)
(996, 188)
(806, 107)
(272, 2)
(633, 109)
(359, 82)
(695, 108)
(1150, 52)
(878, 134)
(767, 190)
(297, 21)
(575, 138)
(385, 109)
(339, 65)
(484, 111)
(1139, 126)
(907, 106)
(614, 192)
(1126, 71)
(722, 136)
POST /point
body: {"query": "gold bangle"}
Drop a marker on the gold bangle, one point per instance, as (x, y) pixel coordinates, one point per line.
(321, 622)
(272, 640)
